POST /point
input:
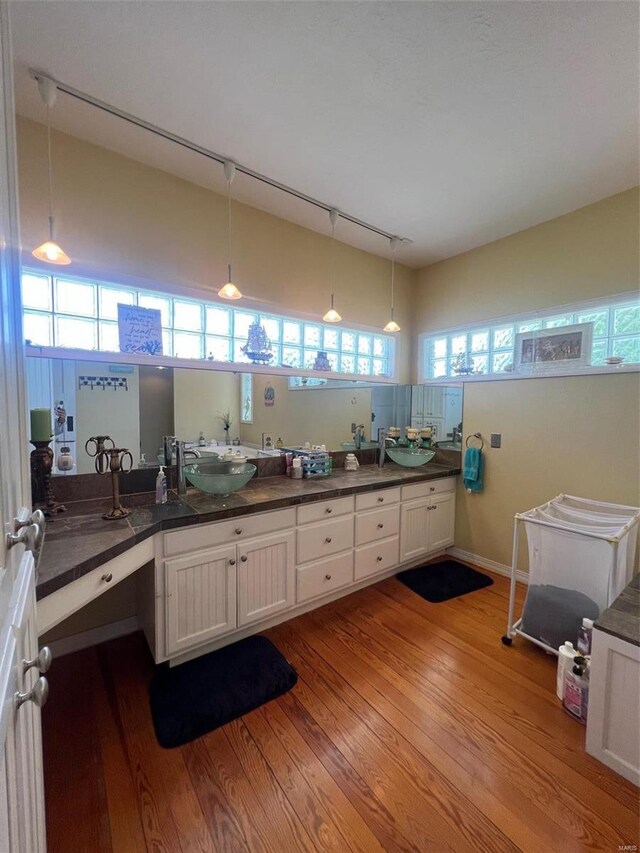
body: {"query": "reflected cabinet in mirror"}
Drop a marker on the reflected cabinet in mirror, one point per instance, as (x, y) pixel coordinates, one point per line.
(253, 413)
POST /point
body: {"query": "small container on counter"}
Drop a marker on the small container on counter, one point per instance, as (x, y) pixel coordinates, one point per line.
(296, 469)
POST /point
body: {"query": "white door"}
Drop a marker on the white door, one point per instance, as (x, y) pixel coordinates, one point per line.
(266, 576)
(441, 521)
(21, 793)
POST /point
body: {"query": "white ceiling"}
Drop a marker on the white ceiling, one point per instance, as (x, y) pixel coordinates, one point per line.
(450, 123)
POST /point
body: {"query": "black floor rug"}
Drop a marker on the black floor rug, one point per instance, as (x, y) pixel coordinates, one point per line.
(441, 581)
(199, 696)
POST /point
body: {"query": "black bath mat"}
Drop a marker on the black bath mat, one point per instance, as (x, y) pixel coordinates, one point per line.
(199, 696)
(441, 581)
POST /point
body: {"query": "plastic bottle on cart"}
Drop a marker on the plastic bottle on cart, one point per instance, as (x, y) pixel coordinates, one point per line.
(576, 690)
(161, 486)
(584, 637)
(566, 654)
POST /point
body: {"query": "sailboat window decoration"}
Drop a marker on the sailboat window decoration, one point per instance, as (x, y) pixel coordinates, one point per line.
(258, 346)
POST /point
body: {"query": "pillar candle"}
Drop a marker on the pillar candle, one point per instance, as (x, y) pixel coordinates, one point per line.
(41, 425)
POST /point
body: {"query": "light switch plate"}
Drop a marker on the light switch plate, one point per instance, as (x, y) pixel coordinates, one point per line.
(496, 439)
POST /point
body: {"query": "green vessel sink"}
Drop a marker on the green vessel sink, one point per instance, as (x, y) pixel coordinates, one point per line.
(410, 457)
(365, 445)
(219, 478)
(450, 445)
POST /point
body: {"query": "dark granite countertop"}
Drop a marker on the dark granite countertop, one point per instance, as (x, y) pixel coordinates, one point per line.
(622, 619)
(80, 540)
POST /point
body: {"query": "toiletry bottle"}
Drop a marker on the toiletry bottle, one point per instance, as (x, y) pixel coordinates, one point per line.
(296, 469)
(161, 486)
(566, 654)
(201, 440)
(143, 462)
(279, 443)
(584, 637)
(576, 690)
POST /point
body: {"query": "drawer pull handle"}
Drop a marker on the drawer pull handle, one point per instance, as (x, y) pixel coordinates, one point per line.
(328, 540)
(238, 531)
(232, 562)
(432, 488)
(380, 500)
(244, 558)
(42, 661)
(107, 577)
(328, 510)
(38, 694)
(327, 577)
(380, 526)
(379, 559)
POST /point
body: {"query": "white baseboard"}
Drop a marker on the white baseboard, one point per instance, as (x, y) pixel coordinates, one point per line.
(484, 563)
(85, 639)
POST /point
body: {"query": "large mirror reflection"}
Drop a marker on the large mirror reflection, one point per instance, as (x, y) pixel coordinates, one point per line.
(254, 413)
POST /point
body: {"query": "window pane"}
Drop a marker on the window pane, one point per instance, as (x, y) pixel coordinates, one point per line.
(291, 356)
(479, 341)
(557, 322)
(380, 347)
(276, 349)
(626, 320)
(379, 367)
(458, 344)
(238, 355)
(628, 348)
(291, 332)
(348, 342)
(364, 366)
(218, 349)
(187, 345)
(163, 305)
(503, 337)
(530, 327)
(75, 297)
(502, 362)
(439, 348)
(439, 368)
(333, 361)
(109, 339)
(271, 327)
(241, 323)
(347, 362)
(109, 299)
(331, 338)
(310, 356)
(36, 291)
(600, 320)
(218, 320)
(312, 335)
(76, 333)
(480, 363)
(167, 342)
(36, 329)
(599, 352)
(187, 315)
(364, 344)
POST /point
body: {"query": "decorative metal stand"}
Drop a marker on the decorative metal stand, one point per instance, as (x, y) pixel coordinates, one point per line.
(41, 488)
(112, 460)
(99, 442)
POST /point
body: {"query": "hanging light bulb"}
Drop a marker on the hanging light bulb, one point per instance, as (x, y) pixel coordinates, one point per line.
(229, 290)
(49, 251)
(332, 315)
(392, 326)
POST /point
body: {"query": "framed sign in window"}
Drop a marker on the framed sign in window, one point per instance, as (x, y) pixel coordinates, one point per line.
(139, 329)
(549, 350)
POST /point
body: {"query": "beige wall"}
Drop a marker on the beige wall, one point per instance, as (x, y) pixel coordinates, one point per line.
(117, 216)
(576, 434)
(200, 397)
(318, 416)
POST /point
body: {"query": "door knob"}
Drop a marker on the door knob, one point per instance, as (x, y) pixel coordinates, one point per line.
(380, 526)
(328, 539)
(328, 510)
(327, 577)
(38, 694)
(42, 661)
(107, 577)
(379, 559)
(244, 558)
(380, 500)
(29, 535)
(232, 562)
(238, 531)
(25, 518)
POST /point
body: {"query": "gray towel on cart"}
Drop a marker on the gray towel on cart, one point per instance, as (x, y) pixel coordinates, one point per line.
(554, 615)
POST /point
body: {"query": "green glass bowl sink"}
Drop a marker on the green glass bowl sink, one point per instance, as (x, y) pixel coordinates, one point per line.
(410, 457)
(219, 478)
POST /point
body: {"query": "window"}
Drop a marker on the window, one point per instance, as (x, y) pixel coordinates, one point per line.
(80, 314)
(489, 348)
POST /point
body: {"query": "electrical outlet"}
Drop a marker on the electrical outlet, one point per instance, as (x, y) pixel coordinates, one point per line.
(496, 439)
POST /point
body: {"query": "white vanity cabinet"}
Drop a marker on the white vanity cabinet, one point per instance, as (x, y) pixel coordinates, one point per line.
(266, 577)
(427, 518)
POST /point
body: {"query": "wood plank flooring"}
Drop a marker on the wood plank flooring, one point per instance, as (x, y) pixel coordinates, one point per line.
(411, 729)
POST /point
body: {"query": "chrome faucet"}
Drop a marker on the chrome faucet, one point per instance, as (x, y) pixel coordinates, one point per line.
(358, 435)
(383, 438)
(171, 443)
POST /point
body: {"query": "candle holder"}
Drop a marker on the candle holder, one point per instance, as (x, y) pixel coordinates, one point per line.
(111, 459)
(99, 449)
(41, 489)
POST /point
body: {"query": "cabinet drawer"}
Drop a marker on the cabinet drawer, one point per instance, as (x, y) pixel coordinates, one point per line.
(372, 500)
(322, 510)
(429, 487)
(325, 576)
(377, 524)
(233, 530)
(371, 559)
(321, 540)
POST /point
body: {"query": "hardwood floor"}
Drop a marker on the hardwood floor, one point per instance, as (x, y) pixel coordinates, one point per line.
(411, 728)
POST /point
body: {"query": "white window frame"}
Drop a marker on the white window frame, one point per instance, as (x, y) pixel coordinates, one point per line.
(425, 338)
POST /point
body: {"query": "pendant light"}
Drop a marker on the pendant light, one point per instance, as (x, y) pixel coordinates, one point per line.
(392, 326)
(229, 290)
(49, 251)
(332, 315)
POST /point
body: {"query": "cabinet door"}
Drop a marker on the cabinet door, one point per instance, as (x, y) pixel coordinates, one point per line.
(441, 521)
(266, 577)
(414, 528)
(433, 402)
(201, 597)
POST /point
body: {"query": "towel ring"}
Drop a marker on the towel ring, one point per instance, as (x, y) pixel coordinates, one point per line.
(475, 435)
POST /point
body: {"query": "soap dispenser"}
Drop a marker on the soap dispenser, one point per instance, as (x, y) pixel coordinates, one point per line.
(161, 486)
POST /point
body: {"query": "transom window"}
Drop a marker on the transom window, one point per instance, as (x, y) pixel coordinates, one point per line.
(490, 348)
(80, 314)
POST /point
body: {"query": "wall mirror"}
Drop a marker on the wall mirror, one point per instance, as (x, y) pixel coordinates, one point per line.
(138, 404)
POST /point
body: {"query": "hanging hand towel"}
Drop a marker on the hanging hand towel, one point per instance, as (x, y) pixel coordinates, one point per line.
(473, 471)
